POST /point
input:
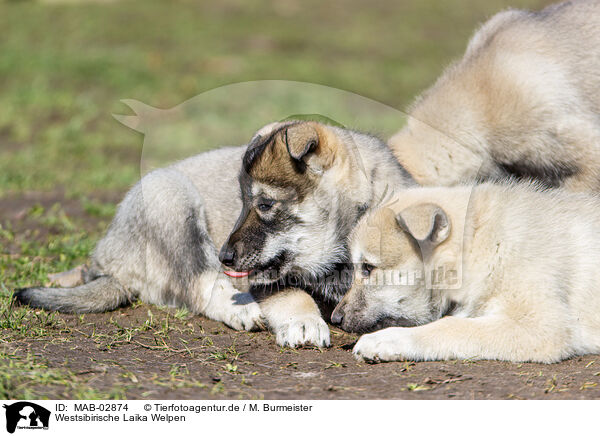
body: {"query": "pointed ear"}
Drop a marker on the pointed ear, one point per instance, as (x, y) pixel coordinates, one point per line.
(426, 222)
(300, 140)
(268, 129)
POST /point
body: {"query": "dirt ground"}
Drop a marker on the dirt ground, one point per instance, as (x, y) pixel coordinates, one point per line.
(149, 352)
(209, 361)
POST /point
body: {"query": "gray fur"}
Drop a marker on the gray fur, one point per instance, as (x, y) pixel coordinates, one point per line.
(318, 191)
(100, 295)
(162, 244)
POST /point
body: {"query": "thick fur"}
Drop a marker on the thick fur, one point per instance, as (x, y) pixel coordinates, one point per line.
(520, 281)
(523, 102)
(161, 247)
(162, 244)
(304, 187)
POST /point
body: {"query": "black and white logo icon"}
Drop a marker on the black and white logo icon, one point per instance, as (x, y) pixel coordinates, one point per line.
(26, 415)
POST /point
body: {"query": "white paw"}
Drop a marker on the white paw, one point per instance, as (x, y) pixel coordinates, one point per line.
(246, 316)
(236, 309)
(384, 346)
(309, 330)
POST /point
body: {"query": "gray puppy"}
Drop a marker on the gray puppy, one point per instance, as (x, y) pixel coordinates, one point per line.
(304, 186)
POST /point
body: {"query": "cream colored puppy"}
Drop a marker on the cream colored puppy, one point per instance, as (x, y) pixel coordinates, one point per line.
(507, 272)
(523, 101)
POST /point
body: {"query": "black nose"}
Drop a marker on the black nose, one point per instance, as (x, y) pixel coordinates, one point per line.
(337, 316)
(227, 255)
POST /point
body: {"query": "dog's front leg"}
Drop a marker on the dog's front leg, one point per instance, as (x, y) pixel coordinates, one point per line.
(221, 301)
(293, 316)
(464, 338)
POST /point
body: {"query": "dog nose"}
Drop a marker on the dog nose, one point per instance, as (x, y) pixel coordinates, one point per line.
(227, 256)
(337, 316)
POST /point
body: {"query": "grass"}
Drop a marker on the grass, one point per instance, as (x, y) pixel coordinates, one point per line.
(64, 68)
(21, 377)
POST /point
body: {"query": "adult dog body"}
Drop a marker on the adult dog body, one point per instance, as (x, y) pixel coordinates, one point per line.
(525, 286)
(523, 101)
(162, 246)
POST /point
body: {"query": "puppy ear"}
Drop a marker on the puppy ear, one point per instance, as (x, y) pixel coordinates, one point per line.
(300, 140)
(426, 222)
(268, 129)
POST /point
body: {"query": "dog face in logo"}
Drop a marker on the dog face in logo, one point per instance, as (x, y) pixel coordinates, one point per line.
(27, 414)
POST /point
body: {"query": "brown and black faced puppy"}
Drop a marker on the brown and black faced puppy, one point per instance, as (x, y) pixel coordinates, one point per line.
(304, 186)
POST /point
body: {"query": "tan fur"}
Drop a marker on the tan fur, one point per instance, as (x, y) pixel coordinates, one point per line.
(297, 318)
(522, 101)
(73, 277)
(275, 168)
(528, 289)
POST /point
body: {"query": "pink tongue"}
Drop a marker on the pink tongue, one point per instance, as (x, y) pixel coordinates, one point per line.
(237, 274)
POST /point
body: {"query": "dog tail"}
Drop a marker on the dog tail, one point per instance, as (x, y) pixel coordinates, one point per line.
(99, 295)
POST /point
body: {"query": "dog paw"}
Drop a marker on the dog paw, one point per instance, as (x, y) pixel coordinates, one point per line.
(383, 346)
(68, 279)
(247, 316)
(236, 309)
(311, 330)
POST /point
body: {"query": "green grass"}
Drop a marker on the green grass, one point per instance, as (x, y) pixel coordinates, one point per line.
(58, 252)
(65, 66)
(21, 377)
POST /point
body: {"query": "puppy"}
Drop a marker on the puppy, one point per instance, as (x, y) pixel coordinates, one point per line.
(486, 272)
(523, 101)
(298, 188)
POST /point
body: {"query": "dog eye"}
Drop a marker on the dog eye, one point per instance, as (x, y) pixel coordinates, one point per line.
(264, 205)
(366, 269)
